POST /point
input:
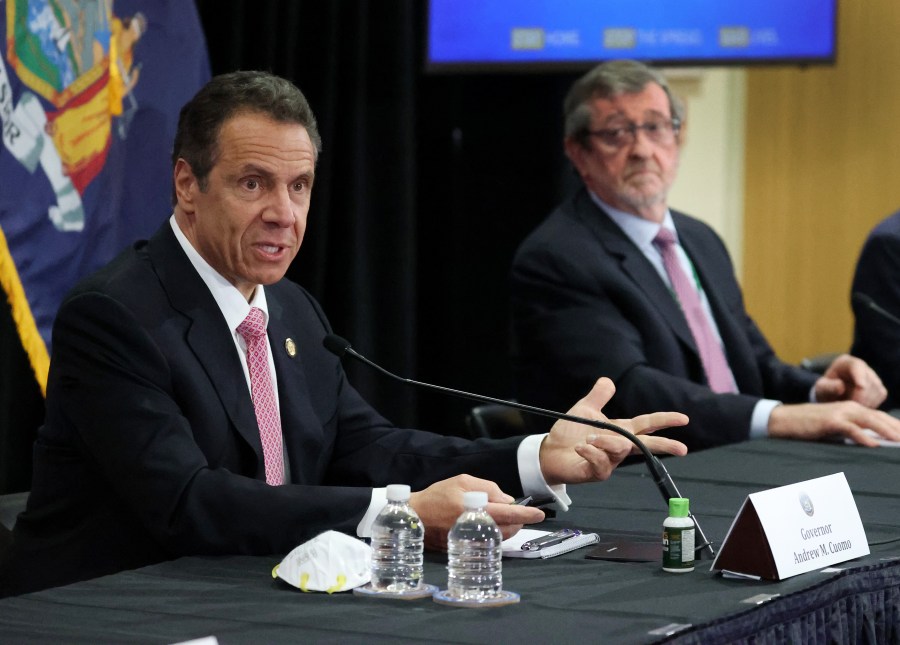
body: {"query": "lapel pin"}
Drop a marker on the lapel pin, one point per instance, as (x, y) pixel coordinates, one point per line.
(290, 347)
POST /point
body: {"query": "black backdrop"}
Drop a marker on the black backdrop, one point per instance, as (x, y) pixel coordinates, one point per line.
(426, 185)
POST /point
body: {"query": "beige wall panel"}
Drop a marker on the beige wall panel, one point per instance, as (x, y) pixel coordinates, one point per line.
(822, 167)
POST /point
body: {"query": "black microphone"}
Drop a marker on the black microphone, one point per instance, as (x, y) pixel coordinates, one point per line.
(341, 347)
(866, 302)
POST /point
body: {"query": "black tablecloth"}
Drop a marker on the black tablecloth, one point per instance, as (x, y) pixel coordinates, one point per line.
(564, 599)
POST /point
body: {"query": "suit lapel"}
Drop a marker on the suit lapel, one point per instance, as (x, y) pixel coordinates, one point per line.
(207, 333)
(734, 340)
(293, 389)
(636, 267)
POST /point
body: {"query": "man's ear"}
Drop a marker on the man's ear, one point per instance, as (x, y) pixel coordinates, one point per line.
(186, 185)
(577, 154)
(681, 137)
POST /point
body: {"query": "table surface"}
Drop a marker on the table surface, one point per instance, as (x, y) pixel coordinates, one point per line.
(567, 598)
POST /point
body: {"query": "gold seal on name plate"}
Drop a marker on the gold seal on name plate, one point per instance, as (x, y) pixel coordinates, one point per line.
(290, 347)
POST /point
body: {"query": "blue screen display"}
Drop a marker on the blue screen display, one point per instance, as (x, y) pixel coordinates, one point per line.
(498, 33)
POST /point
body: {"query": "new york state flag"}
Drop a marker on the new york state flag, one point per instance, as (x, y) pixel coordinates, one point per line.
(89, 97)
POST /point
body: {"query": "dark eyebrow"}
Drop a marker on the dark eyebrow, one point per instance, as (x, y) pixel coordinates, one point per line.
(614, 117)
(253, 169)
(620, 116)
(656, 113)
(311, 175)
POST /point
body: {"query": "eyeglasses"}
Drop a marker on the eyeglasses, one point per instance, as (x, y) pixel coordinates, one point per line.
(661, 132)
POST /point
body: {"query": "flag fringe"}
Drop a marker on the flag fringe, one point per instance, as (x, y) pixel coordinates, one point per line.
(31, 340)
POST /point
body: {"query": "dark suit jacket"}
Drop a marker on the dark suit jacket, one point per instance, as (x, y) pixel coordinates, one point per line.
(151, 449)
(586, 303)
(876, 339)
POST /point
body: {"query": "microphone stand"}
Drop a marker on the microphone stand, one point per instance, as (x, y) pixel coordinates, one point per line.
(867, 302)
(667, 488)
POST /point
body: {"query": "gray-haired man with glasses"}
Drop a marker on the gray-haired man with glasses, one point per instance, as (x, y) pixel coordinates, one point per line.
(615, 283)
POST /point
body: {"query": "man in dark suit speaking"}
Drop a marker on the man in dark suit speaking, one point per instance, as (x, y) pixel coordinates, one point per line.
(191, 406)
(614, 283)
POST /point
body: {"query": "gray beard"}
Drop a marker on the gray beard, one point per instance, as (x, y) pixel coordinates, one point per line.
(641, 201)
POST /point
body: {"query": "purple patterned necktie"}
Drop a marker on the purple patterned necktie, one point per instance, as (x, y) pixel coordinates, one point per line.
(718, 374)
(253, 331)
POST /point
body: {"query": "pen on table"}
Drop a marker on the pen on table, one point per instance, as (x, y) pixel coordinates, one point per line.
(531, 501)
(549, 540)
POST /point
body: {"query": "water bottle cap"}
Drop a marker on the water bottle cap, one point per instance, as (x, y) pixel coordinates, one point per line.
(398, 493)
(678, 506)
(475, 499)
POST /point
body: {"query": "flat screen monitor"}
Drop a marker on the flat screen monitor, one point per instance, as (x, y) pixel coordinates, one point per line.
(518, 35)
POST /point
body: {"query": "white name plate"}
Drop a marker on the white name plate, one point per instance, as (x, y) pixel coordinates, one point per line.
(785, 531)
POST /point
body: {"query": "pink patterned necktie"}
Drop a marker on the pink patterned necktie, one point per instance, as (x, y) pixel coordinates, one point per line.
(253, 331)
(718, 374)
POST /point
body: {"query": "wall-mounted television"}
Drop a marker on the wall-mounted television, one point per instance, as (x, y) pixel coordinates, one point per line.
(516, 35)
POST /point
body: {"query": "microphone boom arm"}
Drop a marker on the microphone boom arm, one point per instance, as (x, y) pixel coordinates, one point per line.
(667, 488)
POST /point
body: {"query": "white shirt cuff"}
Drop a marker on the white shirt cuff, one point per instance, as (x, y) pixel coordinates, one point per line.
(759, 422)
(378, 502)
(533, 482)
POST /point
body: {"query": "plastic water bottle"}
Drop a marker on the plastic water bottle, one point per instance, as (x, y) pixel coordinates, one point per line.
(398, 540)
(475, 552)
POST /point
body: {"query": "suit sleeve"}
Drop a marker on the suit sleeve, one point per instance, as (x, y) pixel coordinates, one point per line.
(368, 450)
(876, 339)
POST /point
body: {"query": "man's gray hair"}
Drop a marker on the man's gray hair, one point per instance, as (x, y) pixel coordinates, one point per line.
(608, 80)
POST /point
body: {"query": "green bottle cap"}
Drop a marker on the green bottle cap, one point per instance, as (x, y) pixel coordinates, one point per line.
(678, 506)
